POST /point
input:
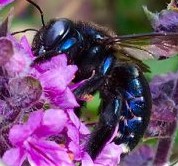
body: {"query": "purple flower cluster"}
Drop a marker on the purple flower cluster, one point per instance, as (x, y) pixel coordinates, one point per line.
(165, 21)
(47, 138)
(38, 125)
(164, 111)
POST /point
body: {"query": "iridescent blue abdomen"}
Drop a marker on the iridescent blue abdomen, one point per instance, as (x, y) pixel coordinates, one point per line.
(136, 107)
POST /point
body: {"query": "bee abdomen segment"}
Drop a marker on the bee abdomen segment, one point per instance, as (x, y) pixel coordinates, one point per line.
(136, 107)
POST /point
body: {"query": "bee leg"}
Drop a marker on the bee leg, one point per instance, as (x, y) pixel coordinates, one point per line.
(97, 80)
(103, 132)
(89, 87)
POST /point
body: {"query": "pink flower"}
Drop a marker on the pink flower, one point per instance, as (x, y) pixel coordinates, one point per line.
(110, 156)
(5, 2)
(33, 140)
(55, 76)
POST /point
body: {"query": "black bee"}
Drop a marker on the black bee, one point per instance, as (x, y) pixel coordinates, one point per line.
(114, 68)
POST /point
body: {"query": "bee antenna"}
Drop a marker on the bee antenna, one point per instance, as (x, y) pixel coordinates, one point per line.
(39, 9)
(23, 31)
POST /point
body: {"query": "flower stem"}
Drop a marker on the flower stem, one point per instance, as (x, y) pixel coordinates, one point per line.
(164, 148)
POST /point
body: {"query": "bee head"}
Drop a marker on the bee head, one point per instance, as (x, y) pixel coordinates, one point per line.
(52, 37)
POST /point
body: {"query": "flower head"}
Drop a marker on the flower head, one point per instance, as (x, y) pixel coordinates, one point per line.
(55, 76)
(164, 110)
(163, 22)
(166, 20)
(35, 140)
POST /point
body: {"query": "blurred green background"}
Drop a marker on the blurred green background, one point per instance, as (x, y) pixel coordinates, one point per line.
(122, 16)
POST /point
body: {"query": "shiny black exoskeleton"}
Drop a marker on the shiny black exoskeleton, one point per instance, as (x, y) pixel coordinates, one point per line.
(126, 99)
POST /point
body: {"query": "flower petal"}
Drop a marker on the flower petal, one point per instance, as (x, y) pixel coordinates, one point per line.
(45, 153)
(65, 100)
(73, 133)
(76, 150)
(87, 161)
(74, 144)
(14, 157)
(26, 45)
(53, 80)
(19, 133)
(54, 120)
(110, 155)
(69, 72)
(59, 61)
(78, 124)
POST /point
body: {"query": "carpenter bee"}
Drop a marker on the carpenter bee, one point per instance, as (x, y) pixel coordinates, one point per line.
(117, 73)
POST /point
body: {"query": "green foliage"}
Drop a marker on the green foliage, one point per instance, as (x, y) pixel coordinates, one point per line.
(161, 67)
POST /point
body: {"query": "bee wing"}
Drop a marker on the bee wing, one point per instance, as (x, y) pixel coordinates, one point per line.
(123, 56)
(147, 46)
